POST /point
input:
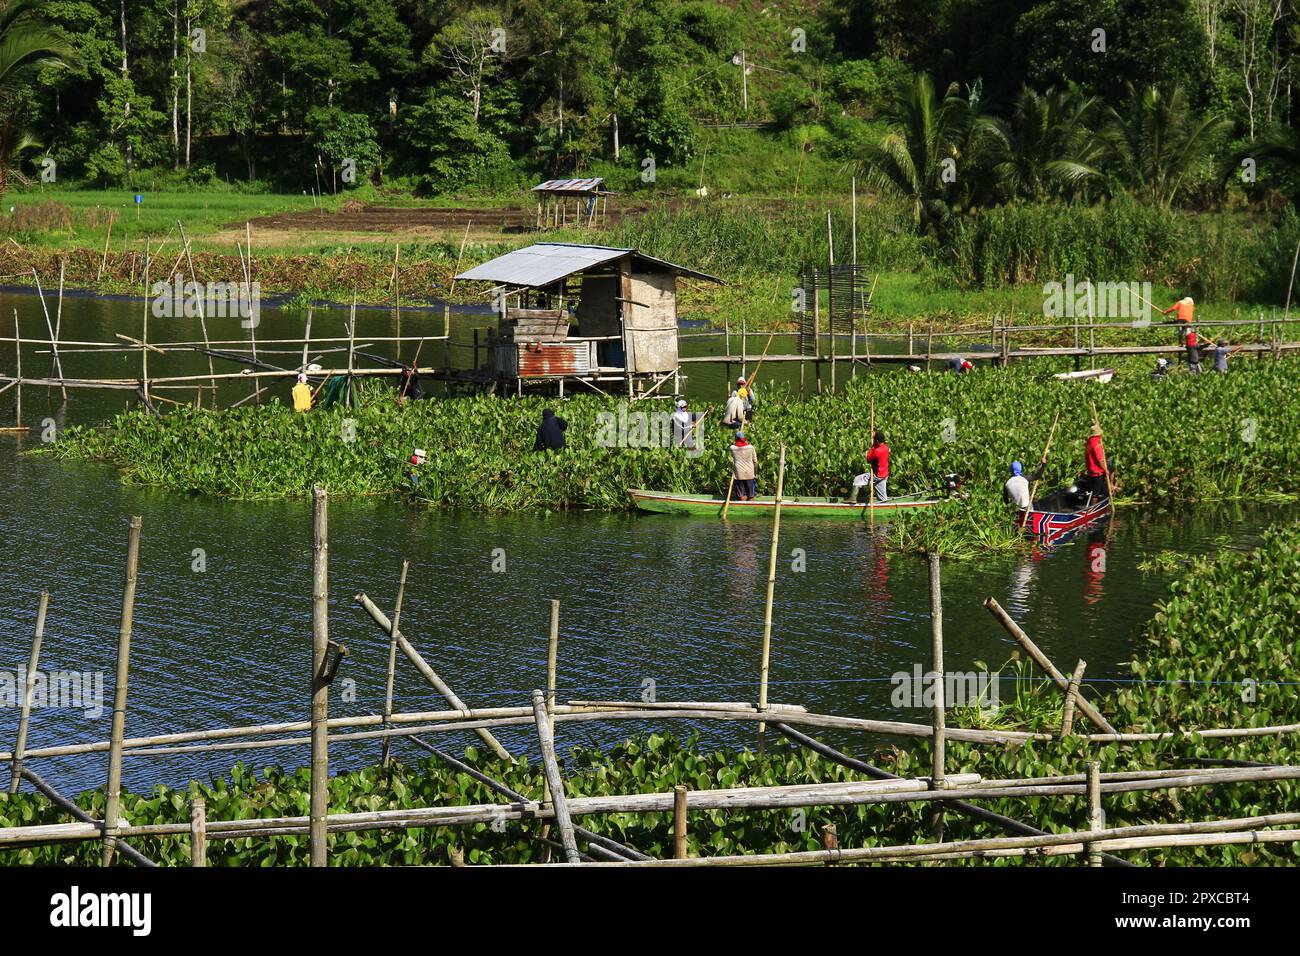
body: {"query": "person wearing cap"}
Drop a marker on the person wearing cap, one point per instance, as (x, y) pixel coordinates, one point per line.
(550, 433)
(744, 462)
(681, 424)
(733, 416)
(1184, 310)
(409, 384)
(878, 463)
(418, 458)
(1221, 354)
(1193, 351)
(1016, 490)
(1095, 466)
(302, 394)
(745, 390)
(959, 365)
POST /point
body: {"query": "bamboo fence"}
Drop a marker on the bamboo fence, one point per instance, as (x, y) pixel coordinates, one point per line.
(953, 793)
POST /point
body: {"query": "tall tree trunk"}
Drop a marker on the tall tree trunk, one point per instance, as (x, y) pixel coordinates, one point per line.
(189, 92)
(176, 87)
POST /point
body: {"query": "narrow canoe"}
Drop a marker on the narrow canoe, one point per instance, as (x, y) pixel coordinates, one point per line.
(1053, 517)
(663, 502)
(1102, 375)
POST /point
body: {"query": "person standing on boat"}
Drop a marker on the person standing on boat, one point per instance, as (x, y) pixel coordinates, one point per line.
(745, 464)
(550, 433)
(878, 463)
(302, 394)
(1095, 466)
(1193, 352)
(1016, 490)
(733, 416)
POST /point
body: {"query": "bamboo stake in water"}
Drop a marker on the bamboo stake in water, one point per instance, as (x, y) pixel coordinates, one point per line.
(104, 261)
(198, 832)
(29, 689)
(54, 339)
(144, 334)
(871, 485)
(1071, 695)
(319, 688)
(679, 823)
(392, 661)
(552, 770)
(937, 721)
(771, 588)
(18, 354)
(113, 798)
(203, 322)
(1096, 816)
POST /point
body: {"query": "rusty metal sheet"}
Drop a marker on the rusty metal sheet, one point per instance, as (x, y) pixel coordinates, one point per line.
(553, 359)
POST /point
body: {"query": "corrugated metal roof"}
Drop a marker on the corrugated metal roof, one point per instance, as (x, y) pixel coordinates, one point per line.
(548, 262)
(569, 185)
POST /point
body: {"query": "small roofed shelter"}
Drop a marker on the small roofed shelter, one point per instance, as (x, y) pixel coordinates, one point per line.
(599, 316)
(579, 202)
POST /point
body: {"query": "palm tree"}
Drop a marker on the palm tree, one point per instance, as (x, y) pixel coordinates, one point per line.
(28, 44)
(920, 157)
(1048, 146)
(1278, 150)
(1157, 143)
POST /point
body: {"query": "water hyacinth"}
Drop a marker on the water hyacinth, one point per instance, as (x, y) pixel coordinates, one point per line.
(1182, 439)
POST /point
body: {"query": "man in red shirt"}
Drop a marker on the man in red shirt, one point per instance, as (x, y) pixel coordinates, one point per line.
(1193, 352)
(878, 461)
(1095, 469)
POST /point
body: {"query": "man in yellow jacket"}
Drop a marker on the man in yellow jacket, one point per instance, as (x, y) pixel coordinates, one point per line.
(302, 394)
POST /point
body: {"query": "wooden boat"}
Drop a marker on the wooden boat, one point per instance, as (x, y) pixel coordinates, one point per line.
(1102, 375)
(664, 502)
(1063, 511)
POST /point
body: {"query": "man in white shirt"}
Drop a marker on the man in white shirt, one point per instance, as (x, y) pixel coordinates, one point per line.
(1016, 490)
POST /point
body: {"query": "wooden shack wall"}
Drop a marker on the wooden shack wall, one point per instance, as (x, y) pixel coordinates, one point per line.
(652, 322)
(598, 306)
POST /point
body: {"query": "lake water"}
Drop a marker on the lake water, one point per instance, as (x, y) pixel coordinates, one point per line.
(677, 601)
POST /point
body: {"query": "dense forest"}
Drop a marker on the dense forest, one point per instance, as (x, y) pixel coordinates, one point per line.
(1170, 99)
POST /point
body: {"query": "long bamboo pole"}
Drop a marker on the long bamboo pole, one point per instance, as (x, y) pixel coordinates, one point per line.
(54, 339)
(319, 685)
(771, 589)
(429, 673)
(552, 770)
(18, 357)
(203, 322)
(113, 792)
(938, 750)
(1045, 663)
(29, 690)
(392, 662)
(1043, 461)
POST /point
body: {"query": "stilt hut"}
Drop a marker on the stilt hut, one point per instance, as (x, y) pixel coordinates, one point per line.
(577, 202)
(595, 316)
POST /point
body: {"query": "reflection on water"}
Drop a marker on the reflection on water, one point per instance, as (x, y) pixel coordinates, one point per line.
(677, 601)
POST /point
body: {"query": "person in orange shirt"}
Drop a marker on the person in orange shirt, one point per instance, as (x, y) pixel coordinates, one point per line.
(1184, 310)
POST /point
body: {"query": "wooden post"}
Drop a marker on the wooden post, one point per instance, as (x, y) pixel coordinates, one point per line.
(144, 334)
(113, 798)
(306, 340)
(1096, 817)
(1071, 693)
(679, 823)
(198, 832)
(552, 770)
(352, 340)
(929, 345)
(910, 334)
(318, 836)
(1042, 661)
(771, 588)
(392, 660)
(29, 688)
(552, 653)
(936, 666)
(744, 351)
(18, 353)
